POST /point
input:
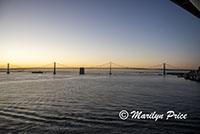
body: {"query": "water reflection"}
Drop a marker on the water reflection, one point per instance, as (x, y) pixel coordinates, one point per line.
(69, 103)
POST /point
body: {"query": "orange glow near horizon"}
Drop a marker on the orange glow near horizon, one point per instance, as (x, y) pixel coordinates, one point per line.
(91, 34)
(74, 64)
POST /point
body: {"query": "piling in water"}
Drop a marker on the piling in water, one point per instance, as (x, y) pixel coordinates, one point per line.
(82, 70)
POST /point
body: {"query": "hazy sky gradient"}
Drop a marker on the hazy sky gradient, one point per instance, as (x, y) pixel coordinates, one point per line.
(138, 33)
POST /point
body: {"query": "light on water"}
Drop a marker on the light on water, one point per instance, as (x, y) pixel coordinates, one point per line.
(71, 103)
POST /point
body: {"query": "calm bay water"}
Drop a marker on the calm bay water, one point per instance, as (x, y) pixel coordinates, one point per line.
(70, 103)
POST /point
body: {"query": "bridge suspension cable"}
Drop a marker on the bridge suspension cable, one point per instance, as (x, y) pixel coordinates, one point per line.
(172, 66)
(120, 66)
(156, 66)
(15, 66)
(47, 65)
(59, 64)
(102, 65)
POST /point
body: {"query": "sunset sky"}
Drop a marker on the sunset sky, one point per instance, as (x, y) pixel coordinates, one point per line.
(138, 33)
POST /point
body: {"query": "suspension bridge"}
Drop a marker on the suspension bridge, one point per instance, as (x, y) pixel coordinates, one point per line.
(109, 65)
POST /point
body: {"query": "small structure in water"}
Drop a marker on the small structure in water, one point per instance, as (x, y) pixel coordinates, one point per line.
(82, 70)
(37, 72)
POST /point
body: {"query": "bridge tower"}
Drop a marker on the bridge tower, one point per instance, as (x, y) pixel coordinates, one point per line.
(8, 69)
(110, 68)
(54, 70)
(164, 69)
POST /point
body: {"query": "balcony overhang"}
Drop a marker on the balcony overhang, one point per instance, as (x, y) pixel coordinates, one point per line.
(192, 6)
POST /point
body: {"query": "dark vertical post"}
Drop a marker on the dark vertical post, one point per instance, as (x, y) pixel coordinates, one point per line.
(8, 69)
(164, 69)
(110, 68)
(54, 70)
(82, 70)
